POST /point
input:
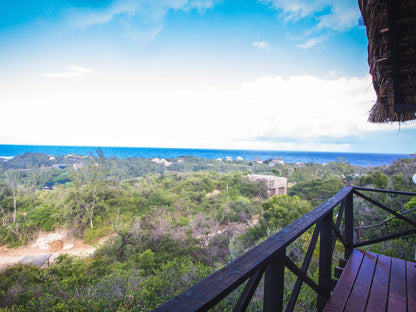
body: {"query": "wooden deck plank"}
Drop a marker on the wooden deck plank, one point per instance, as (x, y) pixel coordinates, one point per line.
(380, 288)
(398, 279)
(396, 305)
(343, 288)
(365, 275)
(361, 289)
(357, 300)
(411, 286)
(372, 282)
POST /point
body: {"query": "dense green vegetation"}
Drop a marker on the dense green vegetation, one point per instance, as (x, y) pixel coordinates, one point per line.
(167, 226)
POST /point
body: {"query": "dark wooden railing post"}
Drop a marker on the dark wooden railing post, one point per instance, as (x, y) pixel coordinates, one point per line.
(325, 261)
(274, 283)
(349, 225)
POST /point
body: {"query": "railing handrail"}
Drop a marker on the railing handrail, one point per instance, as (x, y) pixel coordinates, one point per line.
(359, 188)
(212, 289)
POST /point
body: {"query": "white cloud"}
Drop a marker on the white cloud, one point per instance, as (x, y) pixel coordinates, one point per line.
(341, 18)
(302, 112)
(202, 5)
(260, 44)
(79, 69)
(331, 14)
(328, 15)
(306, 107)
(148, 34)
(148, 13)
(70, 71)
(311, 42)
(63, 75)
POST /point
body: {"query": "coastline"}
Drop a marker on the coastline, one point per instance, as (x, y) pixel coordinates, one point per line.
(359, 159)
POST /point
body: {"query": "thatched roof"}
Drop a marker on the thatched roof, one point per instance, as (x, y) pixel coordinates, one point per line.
(391, 32)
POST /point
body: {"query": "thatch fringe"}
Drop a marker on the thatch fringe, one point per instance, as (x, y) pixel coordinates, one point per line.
(375, 16)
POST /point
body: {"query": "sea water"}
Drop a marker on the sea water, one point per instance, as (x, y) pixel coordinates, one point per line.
(359, 159)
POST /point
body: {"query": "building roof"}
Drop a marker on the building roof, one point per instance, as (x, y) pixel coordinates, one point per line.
(37, 260)
(391, 32)
(266, 177)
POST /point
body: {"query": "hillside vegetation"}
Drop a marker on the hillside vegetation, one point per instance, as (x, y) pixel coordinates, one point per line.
(168, 226)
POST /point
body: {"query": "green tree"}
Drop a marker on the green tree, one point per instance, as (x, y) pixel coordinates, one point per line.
(12, 177)
(88, 183)
(282, 210)
(376, 179)
(316, 190)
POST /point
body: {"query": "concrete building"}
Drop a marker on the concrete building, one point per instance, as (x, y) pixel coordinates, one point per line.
(275, 185)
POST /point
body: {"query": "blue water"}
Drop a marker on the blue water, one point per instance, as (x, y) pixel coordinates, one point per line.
(360, 159)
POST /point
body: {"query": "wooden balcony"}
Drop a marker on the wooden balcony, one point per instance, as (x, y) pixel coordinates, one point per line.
(366, 278)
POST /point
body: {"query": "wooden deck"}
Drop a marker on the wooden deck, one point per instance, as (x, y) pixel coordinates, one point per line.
(372, 282)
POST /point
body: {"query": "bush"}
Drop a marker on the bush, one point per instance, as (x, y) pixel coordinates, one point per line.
(92, 236)
(43, 217)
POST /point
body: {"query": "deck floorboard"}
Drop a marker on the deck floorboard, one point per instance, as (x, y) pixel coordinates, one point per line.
(372, 282)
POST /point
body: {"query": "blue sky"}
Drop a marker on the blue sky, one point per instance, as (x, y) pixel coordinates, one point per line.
(267, 74)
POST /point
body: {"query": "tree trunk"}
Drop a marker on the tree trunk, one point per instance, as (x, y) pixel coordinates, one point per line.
(228, 207)
(14, 206)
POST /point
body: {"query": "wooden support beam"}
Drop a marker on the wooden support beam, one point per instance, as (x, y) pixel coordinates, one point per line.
(325, 262)
(337, 225)
(384, 207)
(338, 271)
(248, 291)
(274, 283)
(306, 261)
(302, 275)
(385, 238)
(349, 225)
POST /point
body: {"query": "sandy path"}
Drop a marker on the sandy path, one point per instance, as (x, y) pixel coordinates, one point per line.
(57, 243)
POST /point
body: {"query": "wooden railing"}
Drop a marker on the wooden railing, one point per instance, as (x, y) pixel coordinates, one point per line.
(269, 258)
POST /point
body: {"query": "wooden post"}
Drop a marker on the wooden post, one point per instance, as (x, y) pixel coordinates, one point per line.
(274, 283)
(325, 261)
(349, 225)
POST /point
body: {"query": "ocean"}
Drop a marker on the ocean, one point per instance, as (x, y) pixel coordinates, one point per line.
(359, 159)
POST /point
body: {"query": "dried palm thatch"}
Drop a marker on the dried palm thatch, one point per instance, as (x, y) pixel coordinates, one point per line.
(391, 32)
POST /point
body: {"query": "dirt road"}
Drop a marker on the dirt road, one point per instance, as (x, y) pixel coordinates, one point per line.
(57, 243)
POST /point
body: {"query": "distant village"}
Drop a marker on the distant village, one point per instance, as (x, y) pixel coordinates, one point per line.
(275, 185)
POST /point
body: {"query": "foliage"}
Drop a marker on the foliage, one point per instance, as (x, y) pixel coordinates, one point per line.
(43, 217)
(376, 179)
(316, 190)
(282, 210)
(168, 226)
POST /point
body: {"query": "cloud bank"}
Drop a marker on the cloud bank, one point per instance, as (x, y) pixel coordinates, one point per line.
(299, 113)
